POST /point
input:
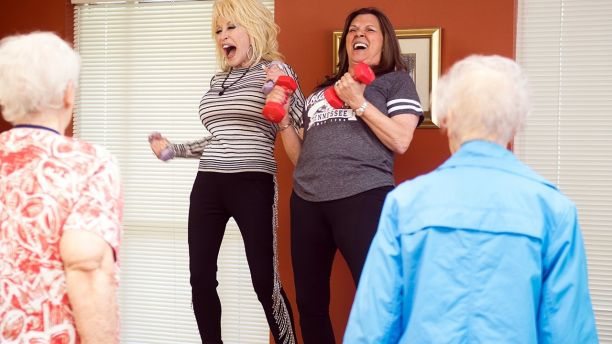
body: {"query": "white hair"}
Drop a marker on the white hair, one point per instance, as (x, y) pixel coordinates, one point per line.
(35, 70)
(487, 96)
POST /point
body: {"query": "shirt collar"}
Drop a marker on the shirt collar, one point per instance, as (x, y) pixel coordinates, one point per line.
(486, 154)
(34, 126)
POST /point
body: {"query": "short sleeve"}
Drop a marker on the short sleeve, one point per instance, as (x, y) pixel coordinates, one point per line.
(402, 97)
(99, 206)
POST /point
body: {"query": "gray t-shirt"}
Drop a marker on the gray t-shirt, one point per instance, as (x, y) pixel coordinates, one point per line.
(340, 155)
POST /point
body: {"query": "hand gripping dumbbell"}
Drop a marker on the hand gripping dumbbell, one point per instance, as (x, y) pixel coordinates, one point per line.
(166, 153)
(361, 72)
(269, 84)
(273, 111)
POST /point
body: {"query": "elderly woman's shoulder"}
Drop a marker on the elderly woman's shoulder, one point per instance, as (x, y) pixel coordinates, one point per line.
(87, 150)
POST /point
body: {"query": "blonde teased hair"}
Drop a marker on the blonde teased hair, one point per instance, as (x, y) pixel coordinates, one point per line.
(258, 22)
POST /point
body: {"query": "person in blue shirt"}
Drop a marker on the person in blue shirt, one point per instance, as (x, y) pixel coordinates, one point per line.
(483, 249)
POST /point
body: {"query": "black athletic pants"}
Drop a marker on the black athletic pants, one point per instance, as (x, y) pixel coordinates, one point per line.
(247, 197)
(317, 230)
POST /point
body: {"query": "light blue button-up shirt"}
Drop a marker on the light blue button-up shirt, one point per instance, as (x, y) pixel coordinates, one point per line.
(481, 250)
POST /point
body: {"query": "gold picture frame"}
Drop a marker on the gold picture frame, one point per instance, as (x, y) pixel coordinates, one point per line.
(420, 49)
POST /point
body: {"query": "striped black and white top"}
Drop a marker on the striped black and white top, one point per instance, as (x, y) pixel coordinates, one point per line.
(240, 139)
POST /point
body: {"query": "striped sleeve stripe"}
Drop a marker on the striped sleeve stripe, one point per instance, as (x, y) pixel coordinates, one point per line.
(405, 107)
(403, 104)
(403, 100)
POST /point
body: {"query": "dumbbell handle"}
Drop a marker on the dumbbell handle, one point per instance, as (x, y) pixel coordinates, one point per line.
(269, 84)
(273, 111)
(361, 72)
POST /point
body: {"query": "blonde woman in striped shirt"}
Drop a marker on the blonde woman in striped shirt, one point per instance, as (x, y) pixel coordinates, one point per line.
(236, 173)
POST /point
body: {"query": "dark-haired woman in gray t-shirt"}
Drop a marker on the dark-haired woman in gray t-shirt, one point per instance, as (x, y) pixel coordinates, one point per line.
(344, 164)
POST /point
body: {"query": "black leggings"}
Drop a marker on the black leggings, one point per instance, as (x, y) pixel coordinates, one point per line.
(317, 230)
(249, 198)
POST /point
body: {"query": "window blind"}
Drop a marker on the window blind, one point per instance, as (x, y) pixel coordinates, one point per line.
(145, 66)
(565, 47)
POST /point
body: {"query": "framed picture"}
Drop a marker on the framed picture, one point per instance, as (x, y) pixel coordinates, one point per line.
(420, 49)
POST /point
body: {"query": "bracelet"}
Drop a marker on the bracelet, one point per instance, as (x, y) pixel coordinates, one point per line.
(360, 110)
(285, 126)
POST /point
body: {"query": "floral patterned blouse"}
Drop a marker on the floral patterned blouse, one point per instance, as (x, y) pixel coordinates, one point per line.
(48, 184)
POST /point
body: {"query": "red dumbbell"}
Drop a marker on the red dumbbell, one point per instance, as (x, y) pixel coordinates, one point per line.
(361, 72)
(273, 111)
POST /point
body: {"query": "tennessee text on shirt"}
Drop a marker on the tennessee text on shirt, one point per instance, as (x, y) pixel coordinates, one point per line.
(320, 112)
